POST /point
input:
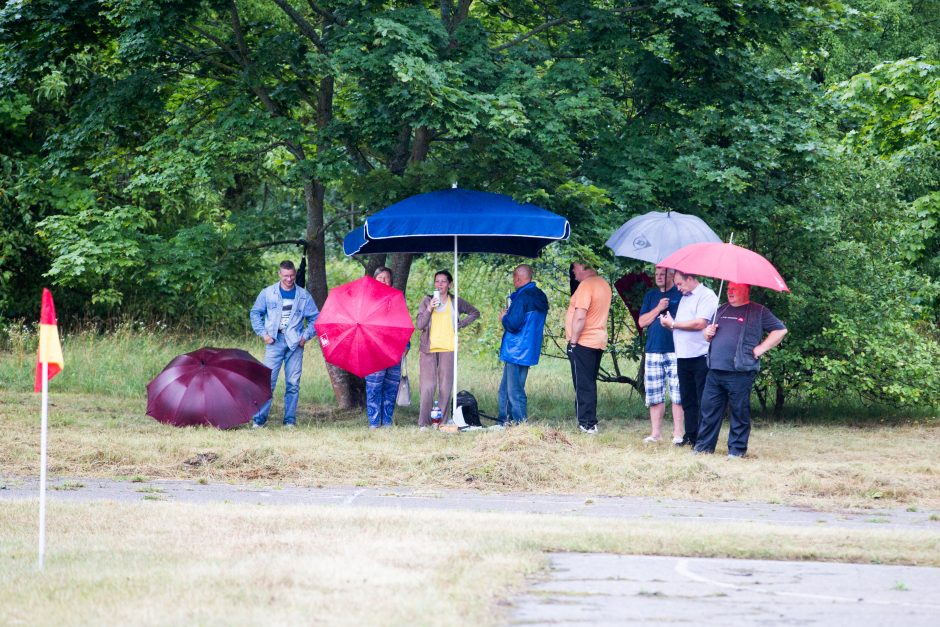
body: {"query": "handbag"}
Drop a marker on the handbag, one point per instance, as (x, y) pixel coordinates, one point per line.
(404, 387)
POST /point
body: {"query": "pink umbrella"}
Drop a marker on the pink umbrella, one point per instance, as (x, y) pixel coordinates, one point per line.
(364, 326)
(727, 262)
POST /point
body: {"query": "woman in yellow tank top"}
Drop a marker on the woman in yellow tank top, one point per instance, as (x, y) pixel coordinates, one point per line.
(435, 319)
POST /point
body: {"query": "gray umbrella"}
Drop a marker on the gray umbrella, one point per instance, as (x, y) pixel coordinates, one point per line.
(656, 235)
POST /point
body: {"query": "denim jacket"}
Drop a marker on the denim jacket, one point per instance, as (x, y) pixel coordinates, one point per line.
(265, 315)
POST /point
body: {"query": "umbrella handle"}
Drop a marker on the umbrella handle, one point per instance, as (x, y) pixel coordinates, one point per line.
(720, 286)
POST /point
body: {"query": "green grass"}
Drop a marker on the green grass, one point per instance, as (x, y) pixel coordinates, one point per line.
(120, 364)
(99, 428)
(825, 467)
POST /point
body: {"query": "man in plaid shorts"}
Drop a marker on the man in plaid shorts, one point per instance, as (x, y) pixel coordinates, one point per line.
(660, 364)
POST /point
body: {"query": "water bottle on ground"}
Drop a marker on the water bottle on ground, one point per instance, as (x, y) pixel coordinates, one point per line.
(436, 415)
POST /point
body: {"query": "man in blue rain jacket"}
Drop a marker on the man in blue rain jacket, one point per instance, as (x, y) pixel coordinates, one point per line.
(523, 324)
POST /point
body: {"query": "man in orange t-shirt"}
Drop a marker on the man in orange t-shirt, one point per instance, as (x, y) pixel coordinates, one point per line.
(586, 332)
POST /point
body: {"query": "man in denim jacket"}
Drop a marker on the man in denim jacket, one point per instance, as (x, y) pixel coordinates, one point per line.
(278, 317)
(737, 344)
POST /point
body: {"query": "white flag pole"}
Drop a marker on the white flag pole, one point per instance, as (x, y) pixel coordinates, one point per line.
(42, 468)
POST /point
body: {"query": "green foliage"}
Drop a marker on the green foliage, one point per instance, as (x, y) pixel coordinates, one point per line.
(843, 258)
(896, 104)
(892, 365)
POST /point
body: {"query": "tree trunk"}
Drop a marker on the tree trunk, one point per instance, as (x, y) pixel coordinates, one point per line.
(316, 242)
(347, 387)
(779, 401)
(401, 262)
(373, 263)
(761, 397)
(401, 268)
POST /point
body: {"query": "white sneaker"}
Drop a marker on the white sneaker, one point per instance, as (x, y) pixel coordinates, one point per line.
(651, 439)
(255, 425)
(591, 431)
(678, 441)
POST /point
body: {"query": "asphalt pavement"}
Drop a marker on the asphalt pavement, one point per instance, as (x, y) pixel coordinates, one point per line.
(598, 506)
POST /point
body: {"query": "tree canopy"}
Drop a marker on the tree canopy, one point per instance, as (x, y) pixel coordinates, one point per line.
(151, 148)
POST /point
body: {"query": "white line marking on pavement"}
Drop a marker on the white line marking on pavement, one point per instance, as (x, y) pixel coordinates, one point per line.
(682, 568)
(352, 497)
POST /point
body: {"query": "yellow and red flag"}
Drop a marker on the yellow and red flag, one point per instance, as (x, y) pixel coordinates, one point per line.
(50, 351)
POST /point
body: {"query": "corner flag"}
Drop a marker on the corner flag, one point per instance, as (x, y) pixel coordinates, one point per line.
(50, 351)
(48, 364)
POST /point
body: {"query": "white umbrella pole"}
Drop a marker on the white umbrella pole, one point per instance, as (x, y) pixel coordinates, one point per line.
(453, 395)
(42, 464)
(722, 284)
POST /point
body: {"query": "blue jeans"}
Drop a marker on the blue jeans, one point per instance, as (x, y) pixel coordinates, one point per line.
(725, 387)
(275, 355)
(381, 394)
(513, 404)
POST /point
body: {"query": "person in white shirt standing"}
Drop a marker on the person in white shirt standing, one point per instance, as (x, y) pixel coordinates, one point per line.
(695, 312)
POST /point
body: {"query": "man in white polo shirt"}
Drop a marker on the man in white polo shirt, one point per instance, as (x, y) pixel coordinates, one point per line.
(695, 312)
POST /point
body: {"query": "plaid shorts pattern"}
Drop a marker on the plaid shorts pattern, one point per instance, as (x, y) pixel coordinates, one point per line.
(660, 368)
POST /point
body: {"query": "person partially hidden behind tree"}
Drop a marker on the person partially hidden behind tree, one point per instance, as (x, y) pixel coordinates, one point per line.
(737, 344)
(278, 317)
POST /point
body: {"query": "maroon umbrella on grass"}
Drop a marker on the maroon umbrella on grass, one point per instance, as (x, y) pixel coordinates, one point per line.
(221, 387)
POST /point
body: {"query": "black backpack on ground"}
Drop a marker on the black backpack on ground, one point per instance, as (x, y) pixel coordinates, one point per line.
(467, 403)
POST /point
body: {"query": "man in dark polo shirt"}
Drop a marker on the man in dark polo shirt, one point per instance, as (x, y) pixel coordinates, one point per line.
(738, 341)
(660, 370)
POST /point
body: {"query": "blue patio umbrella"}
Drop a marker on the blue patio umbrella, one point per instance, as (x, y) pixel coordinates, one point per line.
(482, 222)
(462, 221)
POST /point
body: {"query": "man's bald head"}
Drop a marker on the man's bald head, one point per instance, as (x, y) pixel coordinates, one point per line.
(522, 275)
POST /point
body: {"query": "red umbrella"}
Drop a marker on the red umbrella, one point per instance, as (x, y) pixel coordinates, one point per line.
(727, 262)
(222, 387)
(364, 326)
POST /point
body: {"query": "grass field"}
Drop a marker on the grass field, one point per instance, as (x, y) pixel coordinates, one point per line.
(158, 563)
(121, 363)
(99, 428)
(826, 467)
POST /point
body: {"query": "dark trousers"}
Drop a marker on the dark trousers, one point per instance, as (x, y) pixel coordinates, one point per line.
(725, 387)
(585, 363)
(692, 372)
